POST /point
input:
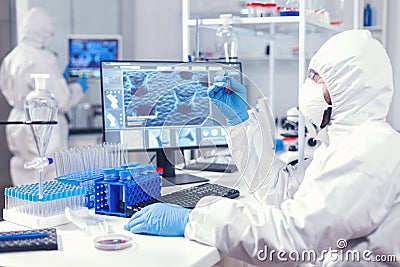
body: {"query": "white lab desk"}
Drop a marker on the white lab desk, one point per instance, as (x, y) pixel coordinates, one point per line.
(76, 248)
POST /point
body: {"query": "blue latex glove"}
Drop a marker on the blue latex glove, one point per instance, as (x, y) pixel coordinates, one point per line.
(65, 72)
(83, 83)
(159, 219)
(230, 97)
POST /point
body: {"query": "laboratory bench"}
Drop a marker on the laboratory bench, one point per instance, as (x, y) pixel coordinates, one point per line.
(77, 248)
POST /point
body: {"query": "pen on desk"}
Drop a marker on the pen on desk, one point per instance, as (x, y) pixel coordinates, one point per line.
(20, 236)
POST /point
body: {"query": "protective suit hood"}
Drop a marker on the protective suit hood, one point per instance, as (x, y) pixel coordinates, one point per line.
(37, 28)
(358, 75)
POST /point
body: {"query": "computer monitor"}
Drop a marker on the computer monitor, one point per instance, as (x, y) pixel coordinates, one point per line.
(163, 107)
(86, 51)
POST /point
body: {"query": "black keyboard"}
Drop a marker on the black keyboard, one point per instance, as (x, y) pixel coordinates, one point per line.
(211, 167)
(188, 197)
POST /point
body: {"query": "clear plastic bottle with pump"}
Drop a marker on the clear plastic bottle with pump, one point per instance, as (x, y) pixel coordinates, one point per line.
(41, 106)
(227, 39)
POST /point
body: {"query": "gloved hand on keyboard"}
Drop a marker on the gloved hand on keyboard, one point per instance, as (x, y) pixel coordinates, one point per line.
(159, 219)
(230, 97)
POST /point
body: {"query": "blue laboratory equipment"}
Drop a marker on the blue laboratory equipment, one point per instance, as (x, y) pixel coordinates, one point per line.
(134, 185)
(57, 196)
(368, 15)
(84, 165)
(23, 236)
(123, 177)
(77, 169)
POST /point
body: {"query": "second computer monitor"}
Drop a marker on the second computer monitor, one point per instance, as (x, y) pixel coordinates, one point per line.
(148, 106)
(86, 51)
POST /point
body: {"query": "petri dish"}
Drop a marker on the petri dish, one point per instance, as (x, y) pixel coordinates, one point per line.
(112, 242)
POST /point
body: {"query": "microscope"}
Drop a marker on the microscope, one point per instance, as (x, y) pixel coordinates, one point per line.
(289, 135)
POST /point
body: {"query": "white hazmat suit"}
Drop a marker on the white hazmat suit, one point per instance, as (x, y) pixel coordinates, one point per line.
(32, 56)
(350, 190)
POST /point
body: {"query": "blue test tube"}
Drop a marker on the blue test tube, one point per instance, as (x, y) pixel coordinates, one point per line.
(123, 177)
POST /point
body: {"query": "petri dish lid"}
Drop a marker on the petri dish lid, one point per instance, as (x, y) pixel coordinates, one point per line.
(112, 242)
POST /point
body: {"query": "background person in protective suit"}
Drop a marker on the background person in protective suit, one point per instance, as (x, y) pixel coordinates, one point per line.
(351, 188)
(31, 55)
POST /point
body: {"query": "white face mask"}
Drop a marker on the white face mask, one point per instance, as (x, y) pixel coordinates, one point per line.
(311, 101)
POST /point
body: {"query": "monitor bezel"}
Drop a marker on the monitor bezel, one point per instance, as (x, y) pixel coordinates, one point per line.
(166, 62)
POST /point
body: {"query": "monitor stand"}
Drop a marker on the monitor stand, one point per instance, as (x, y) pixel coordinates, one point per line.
(164, 158)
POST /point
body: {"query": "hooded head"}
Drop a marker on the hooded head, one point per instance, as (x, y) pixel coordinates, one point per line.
(358, 75)
(37, 28)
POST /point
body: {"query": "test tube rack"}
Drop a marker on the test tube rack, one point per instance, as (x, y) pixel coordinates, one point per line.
(23, 206)
(113, 197)
(82, 166)
(84, 180)
(87, 180)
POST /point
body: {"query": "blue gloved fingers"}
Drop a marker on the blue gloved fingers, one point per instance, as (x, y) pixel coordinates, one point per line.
(138, 217)
(65, 72)
(159, 219)
(143, 228)
(83, 83)
(221, 76)
(236, 86)
(217, 90)
(139, 229)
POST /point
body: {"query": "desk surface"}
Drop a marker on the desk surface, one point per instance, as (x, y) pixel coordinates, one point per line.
(76, 248)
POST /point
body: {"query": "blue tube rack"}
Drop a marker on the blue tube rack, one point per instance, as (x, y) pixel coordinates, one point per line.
(113, 196)
(56, 196)
(84, 180)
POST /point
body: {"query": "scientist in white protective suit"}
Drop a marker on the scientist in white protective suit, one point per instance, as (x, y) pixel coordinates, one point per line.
(31, 55)
(349, 199)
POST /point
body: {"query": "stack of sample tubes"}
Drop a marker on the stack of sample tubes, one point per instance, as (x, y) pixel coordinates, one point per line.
(57, 196)
(83, 165)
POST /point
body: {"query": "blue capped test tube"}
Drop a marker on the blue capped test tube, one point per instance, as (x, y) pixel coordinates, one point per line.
(124, 176)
